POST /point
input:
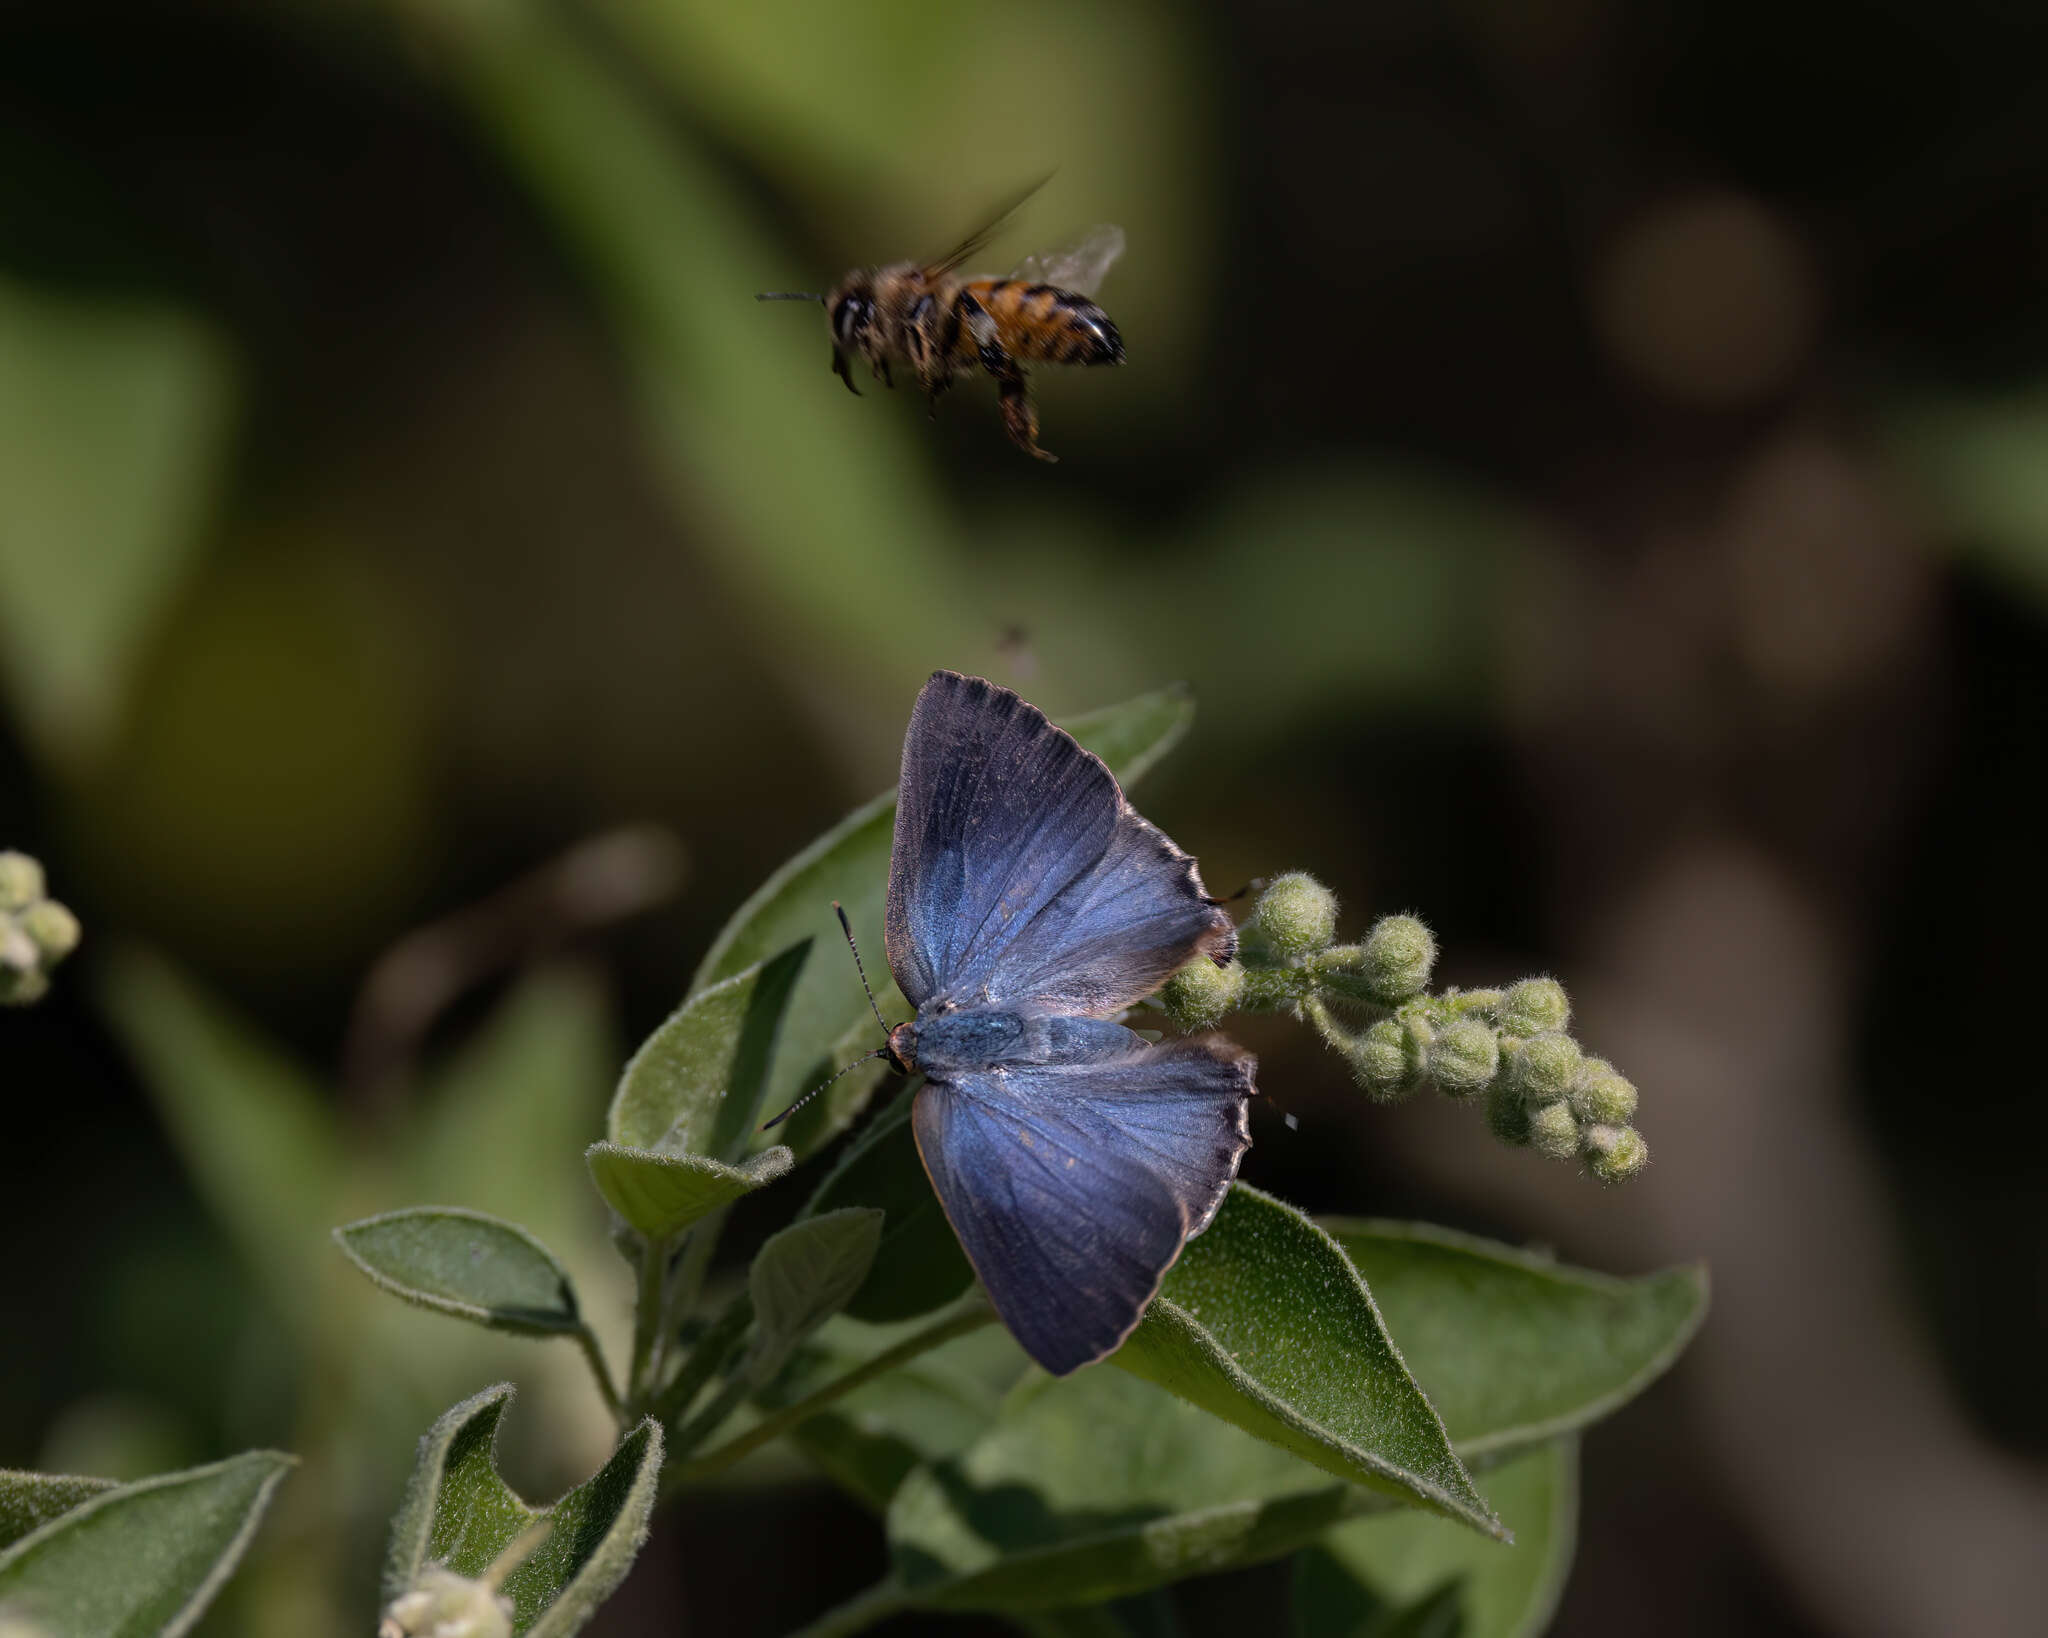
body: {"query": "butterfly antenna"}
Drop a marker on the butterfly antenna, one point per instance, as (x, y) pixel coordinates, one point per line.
(879, 1052)
(846, 927)
(789, 295)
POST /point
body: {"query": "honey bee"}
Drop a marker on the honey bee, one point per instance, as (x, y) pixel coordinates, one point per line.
(942, 325)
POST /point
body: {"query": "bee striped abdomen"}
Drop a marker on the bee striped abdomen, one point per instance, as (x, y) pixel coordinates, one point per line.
(1042, 324)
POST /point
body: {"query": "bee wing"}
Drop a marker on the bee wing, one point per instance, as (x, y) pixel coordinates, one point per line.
(1080, 266)
(973, 243)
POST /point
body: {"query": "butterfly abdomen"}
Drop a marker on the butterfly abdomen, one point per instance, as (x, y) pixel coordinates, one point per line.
(1040, 323)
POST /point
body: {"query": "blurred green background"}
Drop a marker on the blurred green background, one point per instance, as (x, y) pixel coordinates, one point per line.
(1590, 461)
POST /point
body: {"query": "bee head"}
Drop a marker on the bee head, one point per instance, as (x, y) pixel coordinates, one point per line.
(852, 310)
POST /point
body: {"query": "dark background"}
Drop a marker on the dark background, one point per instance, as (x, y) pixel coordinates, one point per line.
(1590, 461)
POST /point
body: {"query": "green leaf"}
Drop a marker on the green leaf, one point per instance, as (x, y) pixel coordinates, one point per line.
(663, 1194)
(468, 1264)
(458, 1513)
(1264, 1323)
(927, 1410)
(850, 863)
(919, 1265)
(1403, 1565)
(696, 1084)
(259, 1140)
(1512, 1348)
(114, 424)
(28, 1501)
(1099, 1486)
(804, 1275)
(142, 1559)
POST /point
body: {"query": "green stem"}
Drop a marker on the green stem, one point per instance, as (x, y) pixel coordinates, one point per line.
(885, 1598)
(689, 1280)
(599, 1369)
(705, 1358)
(647, 1320)
(969, 1316)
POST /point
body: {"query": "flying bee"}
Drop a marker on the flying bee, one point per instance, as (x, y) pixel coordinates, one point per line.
(942, 325)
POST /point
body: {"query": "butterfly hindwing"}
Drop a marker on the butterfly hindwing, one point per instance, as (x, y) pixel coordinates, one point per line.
(1073, 1186)
(1021, 874)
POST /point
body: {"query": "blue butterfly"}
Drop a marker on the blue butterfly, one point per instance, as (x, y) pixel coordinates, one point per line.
(1028, 906)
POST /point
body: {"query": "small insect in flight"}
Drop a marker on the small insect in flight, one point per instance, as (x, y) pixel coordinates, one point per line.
(943, 324)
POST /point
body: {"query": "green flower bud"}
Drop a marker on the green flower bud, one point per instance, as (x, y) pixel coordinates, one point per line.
(1552, 1131)
(1547, 1067)
(1534, 1007)
(1602, 1095)
(1464, 1058)
(442, 1604)
(1385, 1062)
(1296, 916)
(21, 881)
(1201, 993)
(1614, 1154)
(51, 928)
(1399, 953)
(1507, 1116)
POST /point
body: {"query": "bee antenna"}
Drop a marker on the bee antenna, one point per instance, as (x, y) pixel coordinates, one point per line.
(789, 295)
(865, 1057)
(846, 927)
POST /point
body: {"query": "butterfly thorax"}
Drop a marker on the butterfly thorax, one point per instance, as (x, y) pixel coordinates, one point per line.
(946, 1039)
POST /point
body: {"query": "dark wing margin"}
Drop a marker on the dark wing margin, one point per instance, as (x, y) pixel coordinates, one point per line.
(1073, 1188)
(1020, 874)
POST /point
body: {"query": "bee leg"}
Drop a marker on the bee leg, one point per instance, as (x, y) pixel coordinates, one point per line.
(839, 369)
(1020, 419)
(882, 374)
(1020, 415)
(933, 391)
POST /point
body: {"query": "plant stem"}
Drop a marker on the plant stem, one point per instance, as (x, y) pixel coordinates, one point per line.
(599, 1369)
(859, 1612)
(958, 1322)
(647, 1321)
(689, 1280)
(705, 1358)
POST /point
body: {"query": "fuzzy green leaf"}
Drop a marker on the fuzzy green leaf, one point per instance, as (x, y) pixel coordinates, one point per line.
(1368, 1575)
(663, 1194)
(932, 1408)
(1264, 1323)
(141, 1559)
(458, 1513)
(1100, 1486)
(850, 863)
(1512, 1348)
(804, 1275)
(28, 1501)
(696, 1084)
(919, 1266)
(465, 1263)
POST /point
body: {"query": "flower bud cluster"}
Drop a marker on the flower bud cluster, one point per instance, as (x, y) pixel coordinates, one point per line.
(36, 932)
(1507, 1049)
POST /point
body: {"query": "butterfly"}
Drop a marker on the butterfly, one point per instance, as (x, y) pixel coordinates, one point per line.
(1028, 906)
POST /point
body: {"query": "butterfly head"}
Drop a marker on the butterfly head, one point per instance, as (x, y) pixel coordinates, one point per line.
(902, 1047)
